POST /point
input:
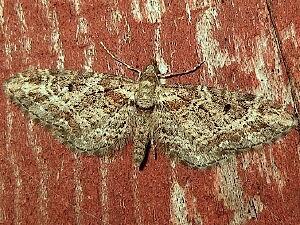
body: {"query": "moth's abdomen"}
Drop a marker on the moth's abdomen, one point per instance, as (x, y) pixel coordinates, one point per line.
(140, 147)
(143, 128)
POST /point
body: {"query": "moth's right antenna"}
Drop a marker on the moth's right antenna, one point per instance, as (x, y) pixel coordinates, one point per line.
(168, 75)
(118, 60)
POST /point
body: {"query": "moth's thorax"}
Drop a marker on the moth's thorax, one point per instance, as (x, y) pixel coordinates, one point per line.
(145, 95)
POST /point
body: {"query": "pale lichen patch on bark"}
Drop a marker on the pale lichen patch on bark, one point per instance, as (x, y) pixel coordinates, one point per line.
(276, 172)
(103, 170)
(188, 10)
(114, 22)
(25, 40)
(2, 14)
(162, 65)
(182, 212)
(17, 182)
(3, 216)
(230, 190)
(9, 47)
(270, 78)
(213, 56)
(179, 211)
(136, 10)
(83, 37)
(290, 33)
(260, 66)
(266, 168)
(197, 216)
(42, 167)
(56, 42)
(21, 17)
(82, 30)
(89, 54)
(55, 34)
(154, 10)
(76, 4)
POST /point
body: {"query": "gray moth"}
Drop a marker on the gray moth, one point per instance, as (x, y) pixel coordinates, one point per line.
(98, 113)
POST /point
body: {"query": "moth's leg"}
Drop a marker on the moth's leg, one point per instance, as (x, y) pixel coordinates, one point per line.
(168, 75)
(118, 60)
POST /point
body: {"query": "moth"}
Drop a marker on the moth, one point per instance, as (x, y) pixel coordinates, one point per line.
(98, 113)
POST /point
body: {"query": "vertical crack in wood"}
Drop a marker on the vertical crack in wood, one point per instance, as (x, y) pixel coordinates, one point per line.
(275, 33)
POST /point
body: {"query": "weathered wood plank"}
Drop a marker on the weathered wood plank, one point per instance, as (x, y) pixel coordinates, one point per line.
(251, 46)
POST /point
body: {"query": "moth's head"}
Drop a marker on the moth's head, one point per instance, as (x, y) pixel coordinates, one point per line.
(150, 72)
(145, 95)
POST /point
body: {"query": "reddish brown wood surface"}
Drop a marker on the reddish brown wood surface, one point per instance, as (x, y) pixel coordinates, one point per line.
(248, 45)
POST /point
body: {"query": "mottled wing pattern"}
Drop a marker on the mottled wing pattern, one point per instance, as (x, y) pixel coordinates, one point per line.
(201, 126)
(88, 111)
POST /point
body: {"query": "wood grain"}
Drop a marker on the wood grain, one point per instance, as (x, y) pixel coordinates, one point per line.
(250, 45)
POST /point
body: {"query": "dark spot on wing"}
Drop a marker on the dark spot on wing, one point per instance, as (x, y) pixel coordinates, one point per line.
(227, 107)
(70, 87)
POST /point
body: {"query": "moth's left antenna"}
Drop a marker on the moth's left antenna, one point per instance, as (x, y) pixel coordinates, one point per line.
(118, 60)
